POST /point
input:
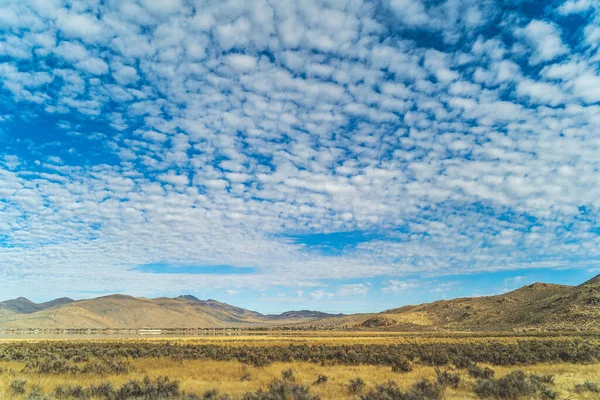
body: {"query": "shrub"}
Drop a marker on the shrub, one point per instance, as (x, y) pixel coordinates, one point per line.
(213, 394)
(103, 390)
(425, 390)
(17, 386)
(282, 390)
(321, 379)
(288, 374)
(401, 365)
(463, 362)
(447, 378)
(515, 386)
(246, 376)
(385, 391)
(587, 386)
(481, 373)
(422, 390)
(161, 388)
(36, 393)
(77, 392)
(356, 385)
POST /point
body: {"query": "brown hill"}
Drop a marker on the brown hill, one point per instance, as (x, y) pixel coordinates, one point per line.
(540, 306)
(120, 311)
(22, 305)
(536, 306)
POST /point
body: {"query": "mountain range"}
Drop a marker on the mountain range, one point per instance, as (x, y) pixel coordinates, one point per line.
(126, 312)
(537, 306)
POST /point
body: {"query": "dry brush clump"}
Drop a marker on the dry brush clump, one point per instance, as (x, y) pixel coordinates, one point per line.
(96, 357)
(422, 390)
(161, 388)
(516, 385)
(587, 386)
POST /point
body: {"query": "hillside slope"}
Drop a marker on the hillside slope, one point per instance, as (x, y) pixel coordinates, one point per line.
(119, 311)
(536, 306)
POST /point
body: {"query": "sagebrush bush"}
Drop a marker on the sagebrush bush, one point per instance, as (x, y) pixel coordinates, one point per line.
(422, 390)
(447, 378)
(401, 365)
(17, 386)
(288, 374)
(356, 385)
(321, 379)
(95, 357)
(282, 390)
(480, 373)
(587, 386)
(514, 386)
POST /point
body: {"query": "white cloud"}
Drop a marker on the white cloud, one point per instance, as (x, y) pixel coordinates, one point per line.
(587, 87)
(396, 287)
(541, 92)
(242, 62)
(412, 13)
(575, 6)
(80, 26)
(545, 39)
(206, 138)
(93, 65)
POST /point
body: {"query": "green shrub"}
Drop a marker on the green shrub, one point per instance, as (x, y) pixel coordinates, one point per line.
(425, 390)
(77, 392)
(422, 390)
(401, 365)
(282, 390)
(36, 393)
(447, 378)
(321, 379)
(17, 386)
(212, 394)
(481, 373)
(587, 386)
(515, 385)
(356, 385)
(288, 374)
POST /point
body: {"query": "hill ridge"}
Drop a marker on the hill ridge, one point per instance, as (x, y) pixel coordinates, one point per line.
(540, 305)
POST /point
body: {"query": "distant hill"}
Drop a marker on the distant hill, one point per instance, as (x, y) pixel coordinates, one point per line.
(22, 305)
(538, 306)
(120, 311)
(303, 314)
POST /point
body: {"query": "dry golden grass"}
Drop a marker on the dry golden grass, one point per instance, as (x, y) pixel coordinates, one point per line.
(198, 376)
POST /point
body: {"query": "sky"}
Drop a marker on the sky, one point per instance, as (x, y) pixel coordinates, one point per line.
(345, 156)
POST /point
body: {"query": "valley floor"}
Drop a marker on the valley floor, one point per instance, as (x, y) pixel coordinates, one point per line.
(43, 366)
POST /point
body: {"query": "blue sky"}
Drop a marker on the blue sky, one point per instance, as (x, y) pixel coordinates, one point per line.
(335, 155)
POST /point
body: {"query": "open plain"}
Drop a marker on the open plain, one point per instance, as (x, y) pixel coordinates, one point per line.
(304, 365)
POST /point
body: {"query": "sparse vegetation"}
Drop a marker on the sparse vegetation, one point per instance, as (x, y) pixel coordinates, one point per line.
(447, 379)
(481, 373)
(587, 386)
(321, 379)
(356, 386)
(422, 390)
(515, 385)
(17, 386)
(449, 368)
(401, 365)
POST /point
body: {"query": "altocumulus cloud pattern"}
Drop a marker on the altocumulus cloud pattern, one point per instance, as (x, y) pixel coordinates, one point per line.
(297, 142)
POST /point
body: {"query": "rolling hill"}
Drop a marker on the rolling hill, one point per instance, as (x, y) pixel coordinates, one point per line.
(540, 306)
(126, 312)
(537, 306)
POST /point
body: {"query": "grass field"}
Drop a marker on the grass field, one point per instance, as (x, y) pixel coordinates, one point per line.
(46, 365)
